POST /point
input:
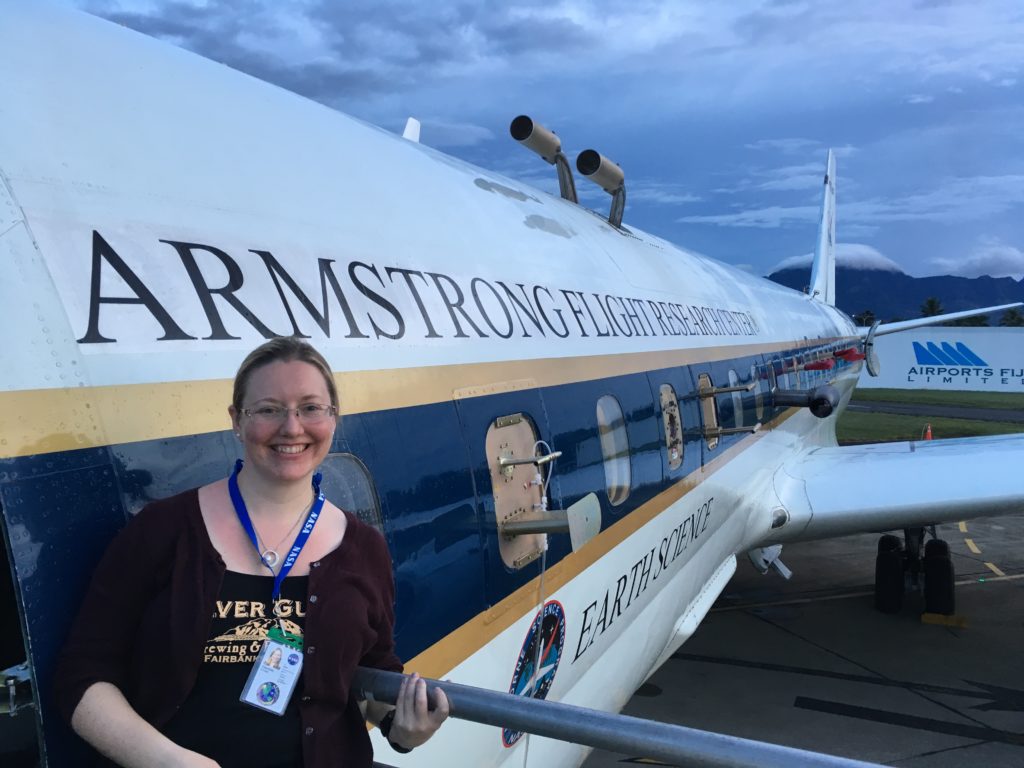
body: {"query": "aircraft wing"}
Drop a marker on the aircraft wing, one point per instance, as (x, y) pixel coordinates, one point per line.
(836, 491)
(920, 322)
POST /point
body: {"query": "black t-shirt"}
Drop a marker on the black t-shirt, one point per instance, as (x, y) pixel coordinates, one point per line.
(212, 721)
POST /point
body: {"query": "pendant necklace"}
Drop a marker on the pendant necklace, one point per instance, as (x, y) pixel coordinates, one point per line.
(269, 555)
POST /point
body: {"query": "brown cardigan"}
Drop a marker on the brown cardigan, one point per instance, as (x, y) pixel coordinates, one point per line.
(148, 610)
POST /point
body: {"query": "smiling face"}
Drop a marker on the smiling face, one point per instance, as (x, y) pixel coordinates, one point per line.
(290, 450)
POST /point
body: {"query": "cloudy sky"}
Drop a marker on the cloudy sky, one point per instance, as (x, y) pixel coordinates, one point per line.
(720, 113)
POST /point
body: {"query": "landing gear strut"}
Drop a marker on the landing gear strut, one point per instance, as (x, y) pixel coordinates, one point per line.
(899, 567)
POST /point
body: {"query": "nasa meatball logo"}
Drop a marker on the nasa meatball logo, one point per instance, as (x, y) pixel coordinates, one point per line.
(538, 659)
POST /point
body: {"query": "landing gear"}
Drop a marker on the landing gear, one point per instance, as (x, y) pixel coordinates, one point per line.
(939, 579)
(889, 582)
(899, 567)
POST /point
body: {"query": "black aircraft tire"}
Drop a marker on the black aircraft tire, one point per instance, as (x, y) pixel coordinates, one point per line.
(887, 543)
(889, 581)
(936, 548)
(939, 584)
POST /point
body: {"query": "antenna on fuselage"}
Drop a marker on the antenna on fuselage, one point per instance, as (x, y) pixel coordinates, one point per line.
(545, 143)
(412, 130)
(607, 175)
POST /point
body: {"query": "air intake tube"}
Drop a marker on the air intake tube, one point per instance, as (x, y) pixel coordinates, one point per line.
(821, 401)
(607, 175)
(600, 170)
(536, 138)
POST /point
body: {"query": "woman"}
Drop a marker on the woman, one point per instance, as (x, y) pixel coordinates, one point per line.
(274, 660)
(199, 588)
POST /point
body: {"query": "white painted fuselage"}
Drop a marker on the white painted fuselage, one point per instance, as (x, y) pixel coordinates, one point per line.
(160, 215)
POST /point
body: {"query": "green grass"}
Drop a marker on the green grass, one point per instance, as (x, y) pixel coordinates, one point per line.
(1002, 400)
(888, 427)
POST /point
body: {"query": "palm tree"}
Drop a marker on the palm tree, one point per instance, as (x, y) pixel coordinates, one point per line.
(865, 318)
(1012, 318)
(931, 307)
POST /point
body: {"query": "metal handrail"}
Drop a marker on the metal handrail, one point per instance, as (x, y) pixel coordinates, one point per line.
(676, 744)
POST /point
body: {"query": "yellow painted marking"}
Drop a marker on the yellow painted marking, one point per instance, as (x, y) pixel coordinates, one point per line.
(972, 546)
(50, 420)
(463, 642)
(963, 527)
(943, 620)
(995, 569)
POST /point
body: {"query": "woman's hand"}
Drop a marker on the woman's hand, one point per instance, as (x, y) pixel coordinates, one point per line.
(414, 723)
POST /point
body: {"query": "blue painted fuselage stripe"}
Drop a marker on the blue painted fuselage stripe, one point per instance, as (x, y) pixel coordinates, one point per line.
(430, 472)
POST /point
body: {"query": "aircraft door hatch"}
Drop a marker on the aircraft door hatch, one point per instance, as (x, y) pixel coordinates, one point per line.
(673, 426)
(518, 488)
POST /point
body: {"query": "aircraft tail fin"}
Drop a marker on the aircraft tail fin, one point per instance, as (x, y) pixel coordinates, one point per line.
(823, 269)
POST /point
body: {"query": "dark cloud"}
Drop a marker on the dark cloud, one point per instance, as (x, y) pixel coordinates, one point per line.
(205, 30)
(215, 31)
(374, 48)
(394, 34)
(436, 35)
(688, 97)
(518, 37)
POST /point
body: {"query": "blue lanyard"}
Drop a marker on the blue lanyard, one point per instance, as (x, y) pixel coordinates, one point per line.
(300, 540)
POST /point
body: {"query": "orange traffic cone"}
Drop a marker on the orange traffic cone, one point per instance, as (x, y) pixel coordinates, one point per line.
(928, 432)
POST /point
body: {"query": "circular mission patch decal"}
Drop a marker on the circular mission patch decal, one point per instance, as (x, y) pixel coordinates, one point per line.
(538, 659)
(268, 693)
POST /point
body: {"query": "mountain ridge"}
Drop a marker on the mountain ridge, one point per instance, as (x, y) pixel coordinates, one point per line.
(898, 296)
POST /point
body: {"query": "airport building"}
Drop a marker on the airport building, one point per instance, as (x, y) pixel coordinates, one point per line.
(951, 358)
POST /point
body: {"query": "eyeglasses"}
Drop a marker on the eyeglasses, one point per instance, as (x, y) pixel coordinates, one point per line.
(310, 413)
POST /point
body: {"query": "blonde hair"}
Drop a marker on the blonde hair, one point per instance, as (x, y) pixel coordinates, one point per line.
(285, 349)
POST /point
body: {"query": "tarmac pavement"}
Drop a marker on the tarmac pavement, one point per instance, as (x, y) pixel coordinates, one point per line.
(809, 663)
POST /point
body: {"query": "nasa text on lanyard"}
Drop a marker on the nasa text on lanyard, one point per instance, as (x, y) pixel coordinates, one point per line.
(275, 673)
(300, 539)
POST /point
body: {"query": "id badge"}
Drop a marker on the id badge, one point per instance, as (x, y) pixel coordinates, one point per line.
(274, 676)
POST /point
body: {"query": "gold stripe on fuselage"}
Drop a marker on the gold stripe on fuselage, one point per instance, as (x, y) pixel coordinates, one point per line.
(50, 420)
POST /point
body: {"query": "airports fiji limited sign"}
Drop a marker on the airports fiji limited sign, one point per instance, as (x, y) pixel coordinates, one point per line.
(951, 358)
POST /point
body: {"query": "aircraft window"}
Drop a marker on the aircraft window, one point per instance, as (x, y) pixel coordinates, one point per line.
(611, 427)
(517, 496)
(737, 399)
(758, 393)
(708, 409)
(347, 483)
(673, 424)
